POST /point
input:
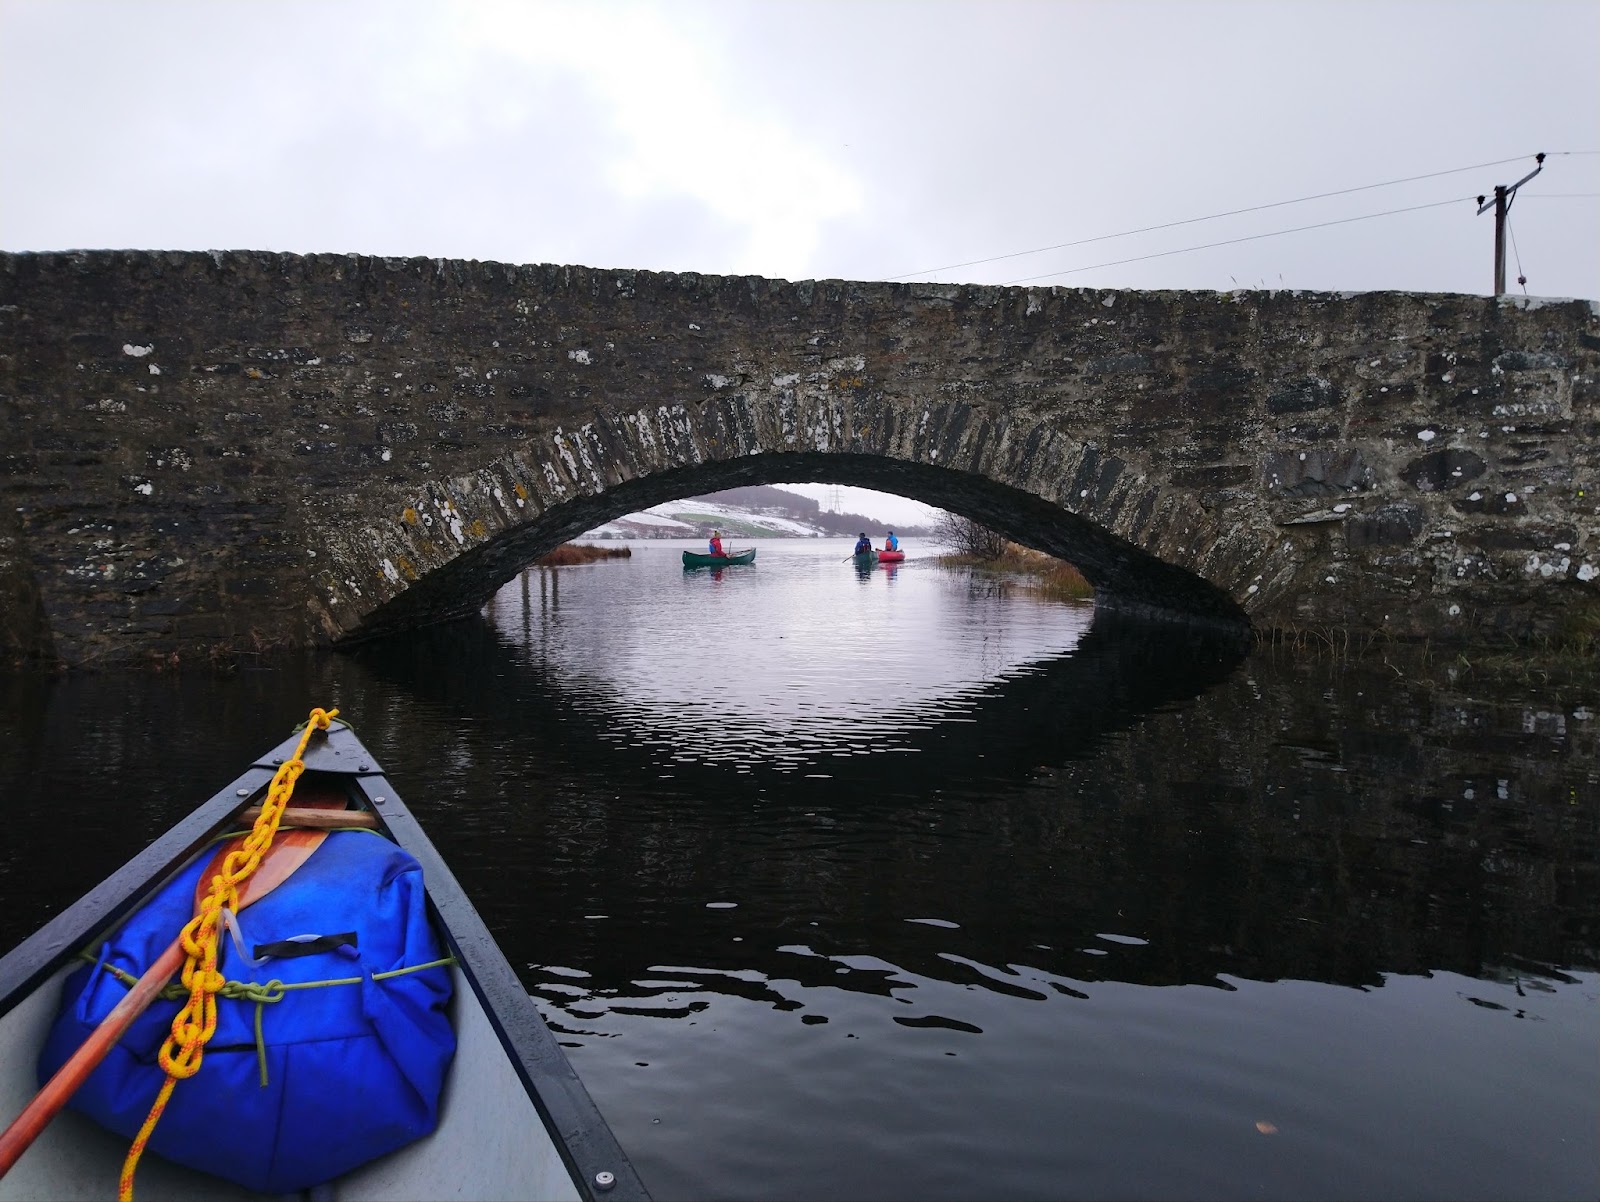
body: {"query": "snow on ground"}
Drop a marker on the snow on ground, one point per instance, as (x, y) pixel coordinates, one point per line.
(881, 506)
(688, 519)
(733, 513)
(642, 525)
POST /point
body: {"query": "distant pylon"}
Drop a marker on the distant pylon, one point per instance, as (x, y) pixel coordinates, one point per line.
(835, 500)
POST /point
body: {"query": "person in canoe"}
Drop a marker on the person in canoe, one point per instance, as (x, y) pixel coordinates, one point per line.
(715, 546)
(863, 545)
(891, 543)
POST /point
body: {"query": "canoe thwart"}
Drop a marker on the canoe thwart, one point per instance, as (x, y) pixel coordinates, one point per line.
(318, 819)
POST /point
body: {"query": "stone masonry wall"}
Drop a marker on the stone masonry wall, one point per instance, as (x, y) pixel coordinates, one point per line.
(224, 452)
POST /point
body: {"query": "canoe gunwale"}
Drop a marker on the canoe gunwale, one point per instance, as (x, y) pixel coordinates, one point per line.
(576, 1127)
(28, 965)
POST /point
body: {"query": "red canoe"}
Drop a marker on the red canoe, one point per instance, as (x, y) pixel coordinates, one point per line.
(891, 556)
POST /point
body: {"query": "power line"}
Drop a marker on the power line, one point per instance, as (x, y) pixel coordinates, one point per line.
(1235, 241)
(1277, 204)
(1561, 195)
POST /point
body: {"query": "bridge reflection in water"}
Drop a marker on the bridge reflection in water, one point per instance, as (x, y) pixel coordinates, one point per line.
(925, 972)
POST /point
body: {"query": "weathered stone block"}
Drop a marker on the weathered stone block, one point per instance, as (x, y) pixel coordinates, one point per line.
(1316, 472)
(1304, 395)
(1443, 469)
(1518, 361)
(1482, 501)
(1390, 525)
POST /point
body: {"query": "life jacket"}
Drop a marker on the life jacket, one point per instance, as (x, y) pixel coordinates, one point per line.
(343, 1073)
(891, 543)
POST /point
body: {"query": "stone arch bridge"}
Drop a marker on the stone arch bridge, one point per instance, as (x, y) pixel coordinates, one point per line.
(222, 452)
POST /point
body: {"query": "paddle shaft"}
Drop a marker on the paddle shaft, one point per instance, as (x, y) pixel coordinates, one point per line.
(288, 851)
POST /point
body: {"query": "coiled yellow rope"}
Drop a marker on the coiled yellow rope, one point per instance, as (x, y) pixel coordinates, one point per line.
(194, 1025)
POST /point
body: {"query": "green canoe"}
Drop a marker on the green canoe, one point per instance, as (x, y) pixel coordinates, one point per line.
(694, 560)
(865, 559)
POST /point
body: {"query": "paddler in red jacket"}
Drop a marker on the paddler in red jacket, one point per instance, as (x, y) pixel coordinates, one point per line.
(716, 543)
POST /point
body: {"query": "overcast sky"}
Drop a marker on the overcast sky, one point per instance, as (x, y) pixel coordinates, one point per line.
(816, 139)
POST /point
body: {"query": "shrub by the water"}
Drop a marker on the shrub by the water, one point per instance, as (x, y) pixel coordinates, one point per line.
(969, 539)
(568, 554)
(974, 545)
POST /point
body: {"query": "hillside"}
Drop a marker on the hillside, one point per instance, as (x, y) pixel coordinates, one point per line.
(754, 512)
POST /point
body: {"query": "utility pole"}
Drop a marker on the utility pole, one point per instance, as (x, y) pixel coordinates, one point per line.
(1503, 196)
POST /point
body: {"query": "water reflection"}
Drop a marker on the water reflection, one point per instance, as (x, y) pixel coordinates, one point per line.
(1327, 828)
(780, 647)
(779, 667)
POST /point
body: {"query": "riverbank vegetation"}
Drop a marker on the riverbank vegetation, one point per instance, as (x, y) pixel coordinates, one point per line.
(568, 554)
(974, 545)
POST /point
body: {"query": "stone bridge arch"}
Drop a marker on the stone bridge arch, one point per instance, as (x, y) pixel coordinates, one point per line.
(1146, 548)
(236, 450)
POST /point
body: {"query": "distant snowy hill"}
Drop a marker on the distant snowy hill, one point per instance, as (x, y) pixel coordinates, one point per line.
(757, 512)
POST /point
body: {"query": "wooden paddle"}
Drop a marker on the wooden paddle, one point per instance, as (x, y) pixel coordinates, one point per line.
(320, 817)
(289, 850)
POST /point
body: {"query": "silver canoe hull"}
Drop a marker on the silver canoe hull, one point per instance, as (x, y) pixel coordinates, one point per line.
(515, 1122)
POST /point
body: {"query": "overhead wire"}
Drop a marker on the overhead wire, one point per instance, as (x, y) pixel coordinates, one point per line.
(1183, 250)
(1255, 209)
(1167, 225)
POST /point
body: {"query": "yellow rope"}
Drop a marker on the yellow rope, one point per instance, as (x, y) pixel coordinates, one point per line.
(193, 1025)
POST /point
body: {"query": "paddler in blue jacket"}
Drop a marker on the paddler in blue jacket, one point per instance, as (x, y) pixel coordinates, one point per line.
(891, 543)
(863, 545)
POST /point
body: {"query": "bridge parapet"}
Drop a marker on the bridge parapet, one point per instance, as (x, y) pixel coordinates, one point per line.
(236, 450)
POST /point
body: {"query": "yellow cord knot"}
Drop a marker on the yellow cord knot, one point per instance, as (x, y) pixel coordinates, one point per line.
(261, 993)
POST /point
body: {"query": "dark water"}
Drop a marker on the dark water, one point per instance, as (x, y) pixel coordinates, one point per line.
(913, 884)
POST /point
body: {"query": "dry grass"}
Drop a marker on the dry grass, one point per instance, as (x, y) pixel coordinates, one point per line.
(1580, 628)
(568, 554)
(1560, 668)
(1047, 575)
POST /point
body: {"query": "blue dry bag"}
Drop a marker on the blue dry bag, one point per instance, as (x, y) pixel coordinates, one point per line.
(352, 1071)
